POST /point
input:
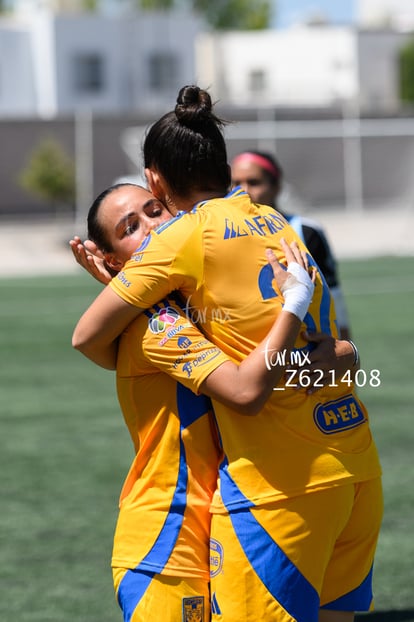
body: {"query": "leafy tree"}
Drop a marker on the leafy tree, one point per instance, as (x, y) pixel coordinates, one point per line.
(407, 72)
(3, 6)
(90, 5)
(235, 14)
(221, 14)
(50, 174)
(155, 4)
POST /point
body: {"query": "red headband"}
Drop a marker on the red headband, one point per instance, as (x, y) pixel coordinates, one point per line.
(263, 162)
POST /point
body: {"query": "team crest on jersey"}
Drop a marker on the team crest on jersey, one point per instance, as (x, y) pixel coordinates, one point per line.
(193, 609)
(216, 557)
(184, 342)
(163, 319)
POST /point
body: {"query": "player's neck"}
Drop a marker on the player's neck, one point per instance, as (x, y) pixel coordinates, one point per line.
(186, 204)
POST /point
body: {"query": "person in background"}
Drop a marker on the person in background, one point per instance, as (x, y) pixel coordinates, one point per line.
(260, 174)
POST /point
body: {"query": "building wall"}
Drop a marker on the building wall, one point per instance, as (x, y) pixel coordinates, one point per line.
(378, 53)
(55, 64)
(82, 41)
(314, 166)
(385, 13)
(298, 67)
(20, 138)
(303, 66)
(17, 88)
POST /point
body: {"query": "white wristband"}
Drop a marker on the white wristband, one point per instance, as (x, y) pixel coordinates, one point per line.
(297, 290)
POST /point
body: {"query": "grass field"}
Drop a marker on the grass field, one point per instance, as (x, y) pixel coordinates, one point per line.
(64, 450)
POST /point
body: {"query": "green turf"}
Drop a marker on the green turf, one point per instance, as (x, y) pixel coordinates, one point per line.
(64, 451)
(380, 297)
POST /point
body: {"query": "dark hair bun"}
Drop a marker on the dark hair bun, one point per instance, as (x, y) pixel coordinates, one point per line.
(193, 106)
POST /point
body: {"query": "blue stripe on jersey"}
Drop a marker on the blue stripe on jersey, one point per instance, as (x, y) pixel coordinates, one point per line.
(191, 406)
(215, 609)
(235, 192)
(168, 223)
(131, 590)
(359, 599)
(279, 575)
(230, 493)
(325, 301)
(143, 244)
(265, 281)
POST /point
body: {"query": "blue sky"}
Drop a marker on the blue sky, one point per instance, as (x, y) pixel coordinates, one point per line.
(288, 11)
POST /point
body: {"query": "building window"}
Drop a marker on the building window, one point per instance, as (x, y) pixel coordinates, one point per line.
(257, 81)
(88, 73)
(163, 69)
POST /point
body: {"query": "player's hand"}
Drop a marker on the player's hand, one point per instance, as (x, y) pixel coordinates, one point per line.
(293, 255)
(297, 282)
(91, 259)
(329, 354)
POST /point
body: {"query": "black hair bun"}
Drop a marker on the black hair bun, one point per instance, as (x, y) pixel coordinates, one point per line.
(194, 106)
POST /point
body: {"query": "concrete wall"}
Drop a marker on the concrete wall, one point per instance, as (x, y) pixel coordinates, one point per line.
(18, 139)
(314, 166)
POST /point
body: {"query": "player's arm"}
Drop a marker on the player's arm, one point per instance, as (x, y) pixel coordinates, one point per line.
(330, 356)
(98, 329)
(247, 387)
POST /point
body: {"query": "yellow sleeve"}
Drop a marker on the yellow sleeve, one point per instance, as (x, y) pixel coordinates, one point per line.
(169, 259)
(176, 347)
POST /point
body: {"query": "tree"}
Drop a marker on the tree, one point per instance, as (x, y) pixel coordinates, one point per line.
(407, 72)
(154, 5)
(90, 5)
(235, 14)
(50, 174)
(3, 6)
(221, 14)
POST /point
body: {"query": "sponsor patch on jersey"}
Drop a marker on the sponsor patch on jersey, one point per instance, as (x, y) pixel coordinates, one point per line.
(121, 277)
(193, 609)
(216, 557)
(338, 415)
(162, 320)
(200, 360)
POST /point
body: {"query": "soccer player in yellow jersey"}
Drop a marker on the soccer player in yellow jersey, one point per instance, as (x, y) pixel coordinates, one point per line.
(160, 554)
(297, 516)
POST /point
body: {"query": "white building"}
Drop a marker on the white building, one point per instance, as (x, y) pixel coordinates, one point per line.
(301, 66)
(305, 66)
(54, 64)
(396, 14)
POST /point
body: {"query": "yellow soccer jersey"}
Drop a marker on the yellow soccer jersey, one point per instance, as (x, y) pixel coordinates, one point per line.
(164, 520)
(215, 256)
